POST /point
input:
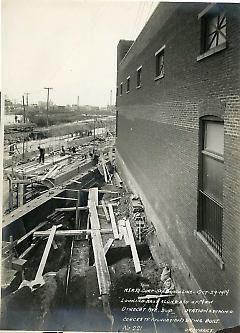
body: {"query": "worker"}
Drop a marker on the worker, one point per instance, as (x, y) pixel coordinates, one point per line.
(41, 154)
(74, 150)
(62, 153)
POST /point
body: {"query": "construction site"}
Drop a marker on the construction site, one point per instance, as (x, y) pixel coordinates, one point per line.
(76, 245)
(122, 215)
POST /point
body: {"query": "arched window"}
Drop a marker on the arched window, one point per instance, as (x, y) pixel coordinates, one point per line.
(211, 181)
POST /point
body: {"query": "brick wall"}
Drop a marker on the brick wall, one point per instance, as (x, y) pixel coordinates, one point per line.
(158, 135)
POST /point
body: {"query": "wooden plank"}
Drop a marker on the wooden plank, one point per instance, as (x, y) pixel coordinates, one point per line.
(101, 191)
(105, 211)
(113, 222)
(72, 209)
(45, 253)
(103, 275)
(48, 174)
(64, 198)
(27, 251)
(133, 248)
(125, 235)
(69, 232)
(93, 195)
(104, 170)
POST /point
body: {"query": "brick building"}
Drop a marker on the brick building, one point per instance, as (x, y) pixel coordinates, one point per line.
(178, 140)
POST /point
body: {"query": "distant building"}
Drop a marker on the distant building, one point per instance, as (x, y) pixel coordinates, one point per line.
(178, 140)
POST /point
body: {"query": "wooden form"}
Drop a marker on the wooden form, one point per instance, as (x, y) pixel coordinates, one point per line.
(99, 255)
(133, 248)
(113, 222)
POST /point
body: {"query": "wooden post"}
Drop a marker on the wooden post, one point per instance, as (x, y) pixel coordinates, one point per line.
(113, 221)
(20, 194)
(10, 197)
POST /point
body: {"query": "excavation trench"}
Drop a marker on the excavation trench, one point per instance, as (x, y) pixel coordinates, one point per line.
(70, 300)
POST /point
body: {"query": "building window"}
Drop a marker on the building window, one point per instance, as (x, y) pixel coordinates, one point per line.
(211, 183)
(117, 91)
(128, 84)
(121, 89)
(213, 27)
(159, 56)
(139, 77)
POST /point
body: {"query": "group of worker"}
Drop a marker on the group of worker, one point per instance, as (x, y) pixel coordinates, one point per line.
(62, 153)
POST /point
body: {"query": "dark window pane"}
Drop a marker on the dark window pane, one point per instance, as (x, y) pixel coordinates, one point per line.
(160, 64)
(213, 178)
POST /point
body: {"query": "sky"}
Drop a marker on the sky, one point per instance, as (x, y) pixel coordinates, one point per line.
(68, 45)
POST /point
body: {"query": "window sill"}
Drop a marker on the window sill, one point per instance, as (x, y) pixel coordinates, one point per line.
(137, 87)
(211, 251)
(159, 77)
(212, 51)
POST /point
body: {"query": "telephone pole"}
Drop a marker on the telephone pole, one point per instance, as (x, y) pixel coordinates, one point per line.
(47, 101)
(24, 109)
(27, 101)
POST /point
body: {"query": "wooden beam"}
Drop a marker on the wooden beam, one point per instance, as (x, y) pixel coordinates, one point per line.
(20, 194)
(100, 191)
(133, 248)
(93, 195)
(45, 254)
(64, 198)
(72, 209)
(69, 233)
(113, 222)
(103, 275)
(77, 182)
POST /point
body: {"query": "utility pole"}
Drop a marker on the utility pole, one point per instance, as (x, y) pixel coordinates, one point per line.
(24, 110)
(47, 102)
(78, 102)
(27, 100)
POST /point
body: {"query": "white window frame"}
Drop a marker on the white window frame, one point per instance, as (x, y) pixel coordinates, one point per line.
(138, 69)
(128, 84)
